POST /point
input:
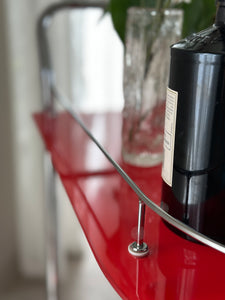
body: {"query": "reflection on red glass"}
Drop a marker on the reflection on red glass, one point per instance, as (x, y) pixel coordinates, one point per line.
(107, 209)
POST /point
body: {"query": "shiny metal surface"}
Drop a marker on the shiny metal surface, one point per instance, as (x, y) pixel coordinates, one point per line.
(141, 223)
(47, 78)
(139, 248)
(51, 217)
(53, 92)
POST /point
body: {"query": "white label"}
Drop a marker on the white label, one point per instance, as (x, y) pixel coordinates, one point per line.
(169, 135)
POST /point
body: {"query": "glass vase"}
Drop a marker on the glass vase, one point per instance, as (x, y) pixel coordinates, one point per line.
(146, 70)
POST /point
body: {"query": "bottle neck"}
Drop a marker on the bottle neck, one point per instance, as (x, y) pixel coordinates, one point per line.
(220, 14)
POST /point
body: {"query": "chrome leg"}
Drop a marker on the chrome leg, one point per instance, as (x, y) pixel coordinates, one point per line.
(139, 248)
(52, 278)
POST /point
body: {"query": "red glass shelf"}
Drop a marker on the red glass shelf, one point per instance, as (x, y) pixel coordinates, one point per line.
(107, 209)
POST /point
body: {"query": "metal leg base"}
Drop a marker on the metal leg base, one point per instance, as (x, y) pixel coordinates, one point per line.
(138, 250)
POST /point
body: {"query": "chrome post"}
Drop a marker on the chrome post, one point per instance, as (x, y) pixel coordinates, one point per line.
(51, 214)
(139, 248)
(48, 96)
(46, 69)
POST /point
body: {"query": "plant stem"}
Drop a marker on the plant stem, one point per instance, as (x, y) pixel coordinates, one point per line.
(159, 5)
(142, 3)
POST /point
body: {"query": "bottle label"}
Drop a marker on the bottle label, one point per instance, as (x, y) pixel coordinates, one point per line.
(169, 135)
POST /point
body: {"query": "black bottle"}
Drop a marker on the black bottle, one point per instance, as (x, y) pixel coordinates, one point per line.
(193, 172)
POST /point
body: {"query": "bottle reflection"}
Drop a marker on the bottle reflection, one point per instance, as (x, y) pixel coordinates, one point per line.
(198, 201)
(179, 266)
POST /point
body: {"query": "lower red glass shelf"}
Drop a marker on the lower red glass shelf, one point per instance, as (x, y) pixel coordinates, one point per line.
(107, 209)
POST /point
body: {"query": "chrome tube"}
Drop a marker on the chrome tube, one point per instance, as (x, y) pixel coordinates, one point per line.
(51, 224)
(139, 248)
(44, 21)
(47, 79)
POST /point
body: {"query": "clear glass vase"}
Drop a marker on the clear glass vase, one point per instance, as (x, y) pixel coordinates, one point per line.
(146, 72)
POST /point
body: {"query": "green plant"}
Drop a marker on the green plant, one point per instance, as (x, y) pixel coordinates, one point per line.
(198, 14)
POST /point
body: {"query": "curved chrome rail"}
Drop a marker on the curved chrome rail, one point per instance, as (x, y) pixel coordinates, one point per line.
(51, 92)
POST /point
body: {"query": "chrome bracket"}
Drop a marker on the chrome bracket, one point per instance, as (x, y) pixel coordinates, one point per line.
(139, 248)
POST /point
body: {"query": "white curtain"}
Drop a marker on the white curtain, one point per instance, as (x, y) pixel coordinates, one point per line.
(96, 62)
(76, 78)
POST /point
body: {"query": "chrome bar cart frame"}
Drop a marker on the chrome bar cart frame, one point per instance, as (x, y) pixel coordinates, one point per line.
(50, 93)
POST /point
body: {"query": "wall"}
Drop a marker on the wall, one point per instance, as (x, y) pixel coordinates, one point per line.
(22, 213)
(26, 149)
(7, 192)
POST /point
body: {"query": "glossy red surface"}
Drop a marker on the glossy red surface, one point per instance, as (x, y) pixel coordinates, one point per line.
(107, 210)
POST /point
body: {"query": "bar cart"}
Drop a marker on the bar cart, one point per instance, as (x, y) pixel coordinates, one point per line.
(118, 206)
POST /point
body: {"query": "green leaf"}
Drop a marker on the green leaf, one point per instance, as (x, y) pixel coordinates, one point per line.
(118, 10)
(198, 15)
